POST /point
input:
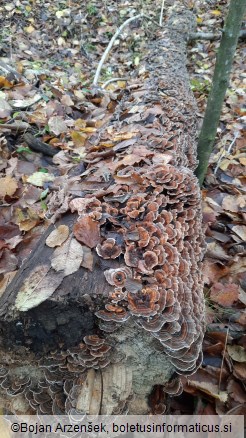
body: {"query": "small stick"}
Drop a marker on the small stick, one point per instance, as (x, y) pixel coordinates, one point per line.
(212, 36)
(225, 154)
(20, 126)
(110, 45)
(162, 10)
(114, 80)
(223, 358)
(111, 42)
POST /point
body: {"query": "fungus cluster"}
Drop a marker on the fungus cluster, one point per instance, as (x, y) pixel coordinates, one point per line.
(60, 377)
(154, 231)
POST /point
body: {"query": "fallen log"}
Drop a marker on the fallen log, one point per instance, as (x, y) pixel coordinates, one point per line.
(111, 301)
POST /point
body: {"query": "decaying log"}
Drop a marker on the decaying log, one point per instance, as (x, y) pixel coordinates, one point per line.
(118, 307)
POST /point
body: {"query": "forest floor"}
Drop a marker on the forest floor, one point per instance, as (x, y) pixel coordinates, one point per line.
(55, 48)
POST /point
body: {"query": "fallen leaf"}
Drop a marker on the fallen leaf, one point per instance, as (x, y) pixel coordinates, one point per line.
(58, 236)
(87, 231)
(39, 178)
(25, 103)
(5, 108)
(224, 294)
(236, 391)
(88, 260)
(215, 251)
(8, 186)
(7, 231)
(28, 224)
(239, 371)
(8, 261)
(240, 230)
(243, 161)
(68, 257)
(57, 125)
(78, 138)
(37, 288)
(4, 83)
(80, 204)
(29, 29)
(237, 353)
(210, 389)
(6, 280)
(233, 203)
(216, 12)
(66, 100)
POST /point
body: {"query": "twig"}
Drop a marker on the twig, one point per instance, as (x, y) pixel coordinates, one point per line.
(212, 36)
(162, 10)
(225, 154)
(204, 36)
(110, 45)
(114, 80)
(38, 146)
(20, 126)
(223, 358)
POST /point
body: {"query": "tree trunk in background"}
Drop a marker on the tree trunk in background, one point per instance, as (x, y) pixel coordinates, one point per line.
(220, 83)
(153, 125)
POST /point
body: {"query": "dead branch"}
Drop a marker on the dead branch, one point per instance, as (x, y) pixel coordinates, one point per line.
(210, 36)
(38, 146)
(162, 10)
(110, 81)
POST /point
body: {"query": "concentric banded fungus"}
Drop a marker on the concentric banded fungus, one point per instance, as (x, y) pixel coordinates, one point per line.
(108, 249)
(160, 283)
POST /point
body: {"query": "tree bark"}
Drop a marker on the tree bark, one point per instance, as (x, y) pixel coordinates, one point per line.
(62, 321)
(220, 83)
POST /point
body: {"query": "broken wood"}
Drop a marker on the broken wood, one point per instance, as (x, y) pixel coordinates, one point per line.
(39, 146)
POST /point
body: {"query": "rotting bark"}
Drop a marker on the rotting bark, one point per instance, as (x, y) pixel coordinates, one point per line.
(156, 118)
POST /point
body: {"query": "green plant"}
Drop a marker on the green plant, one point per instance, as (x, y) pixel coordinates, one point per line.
(21, 149)
(91, 9)
(201, 87)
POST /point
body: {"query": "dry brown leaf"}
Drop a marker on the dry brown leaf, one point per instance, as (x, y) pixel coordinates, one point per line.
(28, 224)
(214, 250)
(8, 261)
(88, 259)
(4, 83)
(233, 203)
(66, 100)
(240, 230)
(224, 294)
(6, 280)
(58, 236)
(237, 353)
(68, 257)
(210, 389)
(78, 138)
(57, 125)
(5, 108)
(239, 370)
(236, 391)
(8, 186)
(80, 123)
(87, 231)
(37, 288)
